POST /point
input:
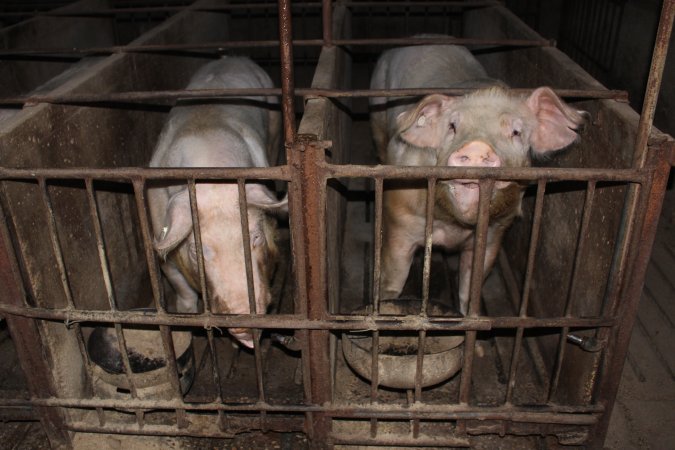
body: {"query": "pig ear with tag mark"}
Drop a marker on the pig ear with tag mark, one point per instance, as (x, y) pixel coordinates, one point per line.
(556, 122)
(421, 126)
(259, 196)
(177, 223)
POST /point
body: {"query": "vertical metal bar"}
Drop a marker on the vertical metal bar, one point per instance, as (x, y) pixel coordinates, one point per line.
(377, 238)
(477, 268)
(327, 17)
(641, 220)
(246, 242)
(56, 244)
(287, 79)
(428, 232)
(308, 234)
(197, 231)
(98, 232)
(124, 352)
(172, 368)
(654, 81)
(419, 373)
(374, 375)
(582, 239)
(153, 270)
(529, 271)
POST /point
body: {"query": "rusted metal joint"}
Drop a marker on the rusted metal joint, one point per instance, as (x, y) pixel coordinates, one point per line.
(587, 343)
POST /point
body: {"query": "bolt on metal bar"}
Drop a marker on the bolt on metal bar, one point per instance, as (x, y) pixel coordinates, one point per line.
(529, 271)
(153, 269)
(582, 240)
(197, 233)
(56, 244)
(663, 34)
(100, 243)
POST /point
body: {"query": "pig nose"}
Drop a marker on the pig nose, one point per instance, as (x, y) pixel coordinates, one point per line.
(475, 154)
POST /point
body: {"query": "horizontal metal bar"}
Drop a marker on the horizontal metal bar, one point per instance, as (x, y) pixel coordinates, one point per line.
(536, 413)
(335, 171)
(155, 173)
(223, 45)
(500, 173)
(289, 321)
(203, 94)
(393, 440)
(244, 424)
(108, 12)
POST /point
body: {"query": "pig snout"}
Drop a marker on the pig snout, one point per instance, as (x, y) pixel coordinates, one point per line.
(475, 154)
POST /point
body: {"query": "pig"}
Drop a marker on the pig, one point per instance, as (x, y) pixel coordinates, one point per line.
(236, 133)
(488, 127)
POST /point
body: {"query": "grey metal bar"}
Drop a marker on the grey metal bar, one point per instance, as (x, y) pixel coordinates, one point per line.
(79, 99)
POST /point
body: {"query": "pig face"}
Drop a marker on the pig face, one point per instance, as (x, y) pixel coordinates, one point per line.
(223, 248)
(488, 128)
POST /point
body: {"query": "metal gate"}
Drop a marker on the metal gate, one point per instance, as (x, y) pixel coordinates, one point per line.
(543, 350)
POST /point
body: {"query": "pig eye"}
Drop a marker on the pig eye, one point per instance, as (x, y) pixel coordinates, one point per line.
(515, 133)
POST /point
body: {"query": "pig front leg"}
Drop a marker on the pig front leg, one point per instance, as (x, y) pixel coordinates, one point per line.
(494, 239)
(186, 297)
(398, 249)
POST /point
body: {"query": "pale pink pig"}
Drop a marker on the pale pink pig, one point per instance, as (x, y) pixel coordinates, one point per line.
(237, 133)
(489, 127)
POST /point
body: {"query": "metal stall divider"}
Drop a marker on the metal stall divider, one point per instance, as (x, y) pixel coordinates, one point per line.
(315, 319)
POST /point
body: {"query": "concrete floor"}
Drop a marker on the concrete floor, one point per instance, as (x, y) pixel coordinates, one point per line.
(644, 413)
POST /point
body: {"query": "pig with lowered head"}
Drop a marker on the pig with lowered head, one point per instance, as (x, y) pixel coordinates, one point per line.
(488, 127)
(237, 133)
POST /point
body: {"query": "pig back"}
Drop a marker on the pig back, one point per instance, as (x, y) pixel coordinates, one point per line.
(423, 66)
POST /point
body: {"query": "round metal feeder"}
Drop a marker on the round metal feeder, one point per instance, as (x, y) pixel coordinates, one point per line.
(147, 360)
(397, 353)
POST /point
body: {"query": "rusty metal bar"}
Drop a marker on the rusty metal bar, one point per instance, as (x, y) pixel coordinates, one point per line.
(56, 244)
(659, 55)
(377, 243)
(289, 321)
(98, 232)
(642, 206)
(172, 367)
(423, 411)
(582, 240)
(79, 99)
(197, 232)
(374, 375)
(246, 243)
(283, 173)
(287, 76)
(428, 240)
(529, 272)
(327, 22)
(146, 233)
(392, 440)
(220, 47)
(124, 352)
(107, 12)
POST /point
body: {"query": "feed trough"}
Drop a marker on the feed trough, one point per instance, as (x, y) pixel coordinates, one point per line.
(397, 351)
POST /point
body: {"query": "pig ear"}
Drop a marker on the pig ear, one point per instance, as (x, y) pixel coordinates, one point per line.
(177, 223)
(421, 126)
(259, 196)
(556, 122)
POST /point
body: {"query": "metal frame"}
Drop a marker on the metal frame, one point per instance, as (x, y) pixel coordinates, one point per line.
(307, 175)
